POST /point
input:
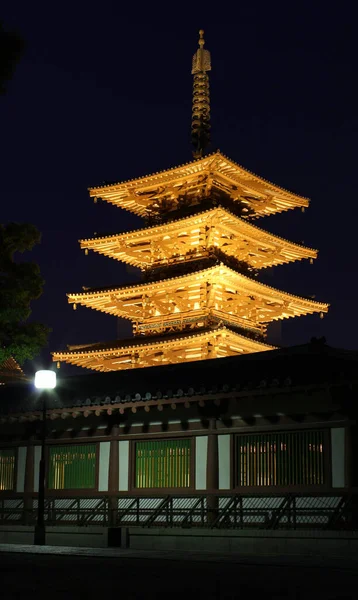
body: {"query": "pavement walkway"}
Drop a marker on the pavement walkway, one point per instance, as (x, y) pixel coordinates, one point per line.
(315, 561)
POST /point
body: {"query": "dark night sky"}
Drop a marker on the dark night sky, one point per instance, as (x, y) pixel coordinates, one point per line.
(104, 93)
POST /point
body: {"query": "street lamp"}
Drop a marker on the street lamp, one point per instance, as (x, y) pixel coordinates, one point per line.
(44, 380)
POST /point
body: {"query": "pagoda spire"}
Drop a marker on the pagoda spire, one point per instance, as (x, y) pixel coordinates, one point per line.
(199, 253)
(200, 122)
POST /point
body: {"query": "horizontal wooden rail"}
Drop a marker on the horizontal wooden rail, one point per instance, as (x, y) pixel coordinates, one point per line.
(310, 511)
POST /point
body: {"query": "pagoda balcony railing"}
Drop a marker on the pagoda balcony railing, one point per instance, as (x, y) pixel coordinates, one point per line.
(304, 511)
(200, 257)
(199, 318)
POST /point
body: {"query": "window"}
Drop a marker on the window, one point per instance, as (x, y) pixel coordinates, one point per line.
(7, 468)
(163, 464)
(72, 467)
(290, 458)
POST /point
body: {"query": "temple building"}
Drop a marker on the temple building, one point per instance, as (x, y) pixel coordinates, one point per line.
(199, 251)
(10, 371)
(196, 421)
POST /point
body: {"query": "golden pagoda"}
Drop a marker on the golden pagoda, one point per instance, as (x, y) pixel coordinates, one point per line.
(199, 253)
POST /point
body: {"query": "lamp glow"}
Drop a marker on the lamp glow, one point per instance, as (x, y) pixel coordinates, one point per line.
(45, 380)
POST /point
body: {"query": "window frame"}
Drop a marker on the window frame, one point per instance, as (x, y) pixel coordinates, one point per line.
(16, 458)
(72, 491)
(326, 486)
(161, 490)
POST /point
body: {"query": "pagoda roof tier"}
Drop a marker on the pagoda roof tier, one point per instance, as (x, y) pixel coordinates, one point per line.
(217, 288)
(160, 350)
(196, 179)
(10, 370)
(190, 237)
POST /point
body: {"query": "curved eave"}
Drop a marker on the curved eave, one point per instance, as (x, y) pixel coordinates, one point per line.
(286, 200)
(77, 356)
(297, 251)
(306, 306)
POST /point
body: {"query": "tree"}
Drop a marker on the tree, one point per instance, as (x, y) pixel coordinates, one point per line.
(20, 283)
(11, 49)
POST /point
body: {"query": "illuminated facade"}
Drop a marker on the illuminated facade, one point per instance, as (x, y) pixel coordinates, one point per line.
(199, 253)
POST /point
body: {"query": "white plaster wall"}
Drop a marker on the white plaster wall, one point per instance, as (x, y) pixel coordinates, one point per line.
(201, 459)
(21, 467)
(37, 457)
(338, 456)
(123, 453)
(104, 448)
(224, 461)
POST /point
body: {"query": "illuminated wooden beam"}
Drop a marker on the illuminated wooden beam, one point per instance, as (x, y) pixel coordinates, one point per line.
(217, 288)
(138, 194)
(232, 235)
(166, 350)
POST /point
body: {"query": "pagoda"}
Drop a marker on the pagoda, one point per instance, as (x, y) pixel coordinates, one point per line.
(199, 252)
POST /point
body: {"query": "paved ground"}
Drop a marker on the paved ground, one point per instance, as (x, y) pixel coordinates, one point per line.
(82, 573)
(292, 560)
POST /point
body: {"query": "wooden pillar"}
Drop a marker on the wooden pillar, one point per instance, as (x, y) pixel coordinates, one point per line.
(349, 462)
(212, 472)
(113, 475)
(351, 471)
(352, 455)
(29, 484)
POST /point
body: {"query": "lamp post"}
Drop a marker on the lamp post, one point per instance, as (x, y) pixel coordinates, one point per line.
(44, 380)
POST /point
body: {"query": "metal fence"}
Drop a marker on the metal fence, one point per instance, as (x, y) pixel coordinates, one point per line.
(240, 511)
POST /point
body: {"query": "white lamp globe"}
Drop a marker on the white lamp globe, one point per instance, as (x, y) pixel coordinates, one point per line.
(45, 380)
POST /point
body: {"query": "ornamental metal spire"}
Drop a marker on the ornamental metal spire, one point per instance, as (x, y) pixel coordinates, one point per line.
(200, 122)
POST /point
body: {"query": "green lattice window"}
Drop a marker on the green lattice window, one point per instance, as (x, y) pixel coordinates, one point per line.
(290, 458)
(7, 468)
(163, 464)
(72, 467)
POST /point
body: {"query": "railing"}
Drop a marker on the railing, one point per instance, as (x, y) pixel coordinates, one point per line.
(270, 512)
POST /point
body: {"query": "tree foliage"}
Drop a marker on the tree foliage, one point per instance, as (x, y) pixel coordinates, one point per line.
(20, 283)
(11, 49)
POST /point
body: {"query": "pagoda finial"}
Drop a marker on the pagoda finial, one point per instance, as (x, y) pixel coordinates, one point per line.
(200, 123)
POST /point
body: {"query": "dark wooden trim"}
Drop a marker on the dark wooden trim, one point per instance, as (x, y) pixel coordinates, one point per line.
(206, 398)
(29, 481)
(327, 457)
(16, 464)
(291, 426)
(29, 470)
(83, 438)
(212, 472)
(131, 466)
(212, 465)
(348, 458)
(192, 478)
(233, 466)
(194, 428)
(77, 492)
(354, 455)
(96, 476)
(113, 470)
(47, 467)
(186, 492)
(276, 489)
